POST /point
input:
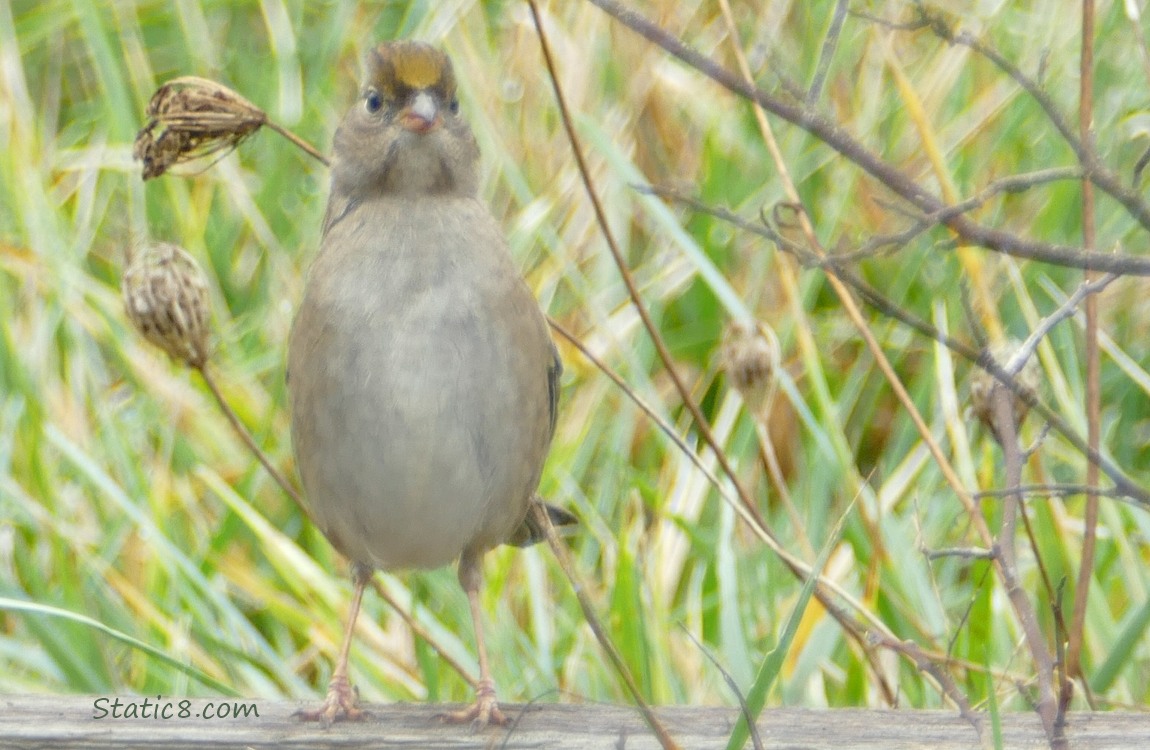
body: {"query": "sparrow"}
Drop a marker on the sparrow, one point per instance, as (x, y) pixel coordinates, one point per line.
(423, 381)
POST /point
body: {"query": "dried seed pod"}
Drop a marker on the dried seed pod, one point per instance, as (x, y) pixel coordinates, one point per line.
(166, 297)
(983, 386)
(189, 118)
(749, 357)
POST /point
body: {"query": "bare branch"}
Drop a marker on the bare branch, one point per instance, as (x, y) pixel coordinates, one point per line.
(1052, 490)
(1104, 178)
(1124, 486)
(1064, 311)
(895, 179)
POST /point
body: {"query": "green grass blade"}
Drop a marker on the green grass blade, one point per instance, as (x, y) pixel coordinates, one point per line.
(769, 670)
(16, 605)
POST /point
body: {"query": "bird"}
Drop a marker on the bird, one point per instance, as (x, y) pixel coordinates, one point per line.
(422, 378)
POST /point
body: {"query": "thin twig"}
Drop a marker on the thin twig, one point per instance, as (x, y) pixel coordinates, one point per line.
(249, 441)
(1085, 291)
(893, 178)
(921, 222)
(664, 353)
(747, 504)
(421, 632)
(752, 725)
(1006, 558)
(563, 557)
(1013, 184)
(927, 664)
(560, 551)
(1099, 174)
(300, 142)
(1051, 490)
(1073, 666)
(1125, 488)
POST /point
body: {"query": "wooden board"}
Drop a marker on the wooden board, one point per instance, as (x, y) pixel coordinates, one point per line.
(70, 722)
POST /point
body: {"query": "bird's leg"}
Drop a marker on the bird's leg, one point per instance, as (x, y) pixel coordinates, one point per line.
(341, 701)
(485, 710)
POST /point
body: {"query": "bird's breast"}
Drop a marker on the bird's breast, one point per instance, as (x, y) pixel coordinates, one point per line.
(413, 411)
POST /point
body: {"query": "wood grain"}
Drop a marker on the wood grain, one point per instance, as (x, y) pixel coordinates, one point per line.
(69, 722)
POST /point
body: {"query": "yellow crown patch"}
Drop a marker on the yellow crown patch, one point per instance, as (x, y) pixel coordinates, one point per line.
(399, 65)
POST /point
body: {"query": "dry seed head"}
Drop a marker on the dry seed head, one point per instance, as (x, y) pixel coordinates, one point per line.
(749, 357)
(166, 298)
(192, 117)
(983, 385)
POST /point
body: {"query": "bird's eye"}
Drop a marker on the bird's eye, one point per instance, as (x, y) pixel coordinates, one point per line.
(454, 106)
(372, 102)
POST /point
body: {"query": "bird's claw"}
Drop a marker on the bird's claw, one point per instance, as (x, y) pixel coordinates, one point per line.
(341, 704)
(484, 712)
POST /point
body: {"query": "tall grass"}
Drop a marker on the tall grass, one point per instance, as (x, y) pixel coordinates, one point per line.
(125, 499)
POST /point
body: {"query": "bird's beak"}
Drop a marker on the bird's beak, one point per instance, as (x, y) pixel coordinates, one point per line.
(421, 116)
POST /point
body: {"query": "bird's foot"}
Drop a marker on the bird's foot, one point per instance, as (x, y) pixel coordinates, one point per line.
(341, 704)
(484, 712)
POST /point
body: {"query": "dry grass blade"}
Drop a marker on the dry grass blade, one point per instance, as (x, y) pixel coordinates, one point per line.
(190, 118)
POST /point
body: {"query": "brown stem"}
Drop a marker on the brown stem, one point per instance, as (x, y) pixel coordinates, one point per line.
(422, 632)
(1007, 559)
(895, 179)
(684, 392)
(1104, 178)
(563, 557)
(853, 628)
(931, 665)
(1073, 667)
(970, 231)
(248, 440)
(300, 142)
(1125, 487)
(841, 291)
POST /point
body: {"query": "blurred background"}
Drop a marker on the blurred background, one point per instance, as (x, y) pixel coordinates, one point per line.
(130, 513)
